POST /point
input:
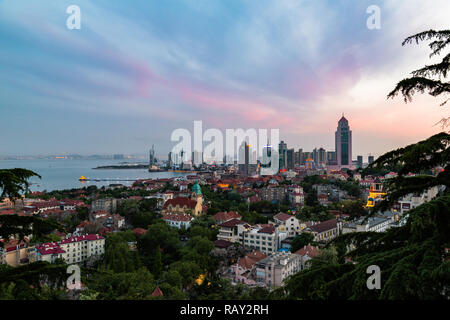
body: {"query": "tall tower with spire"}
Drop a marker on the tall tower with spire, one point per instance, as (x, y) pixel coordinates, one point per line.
(343, 141)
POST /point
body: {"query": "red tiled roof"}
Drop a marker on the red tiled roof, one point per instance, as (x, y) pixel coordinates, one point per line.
(86, 237)
(139, 231)
(283, 216)
(12, 245)
(224, 216)
(177, 217)
(308, 250)
(324, 226)
(222, 243)
(250, 259)
(246, 262)
(157, 292)
(181, 201)
(231, 223)
(49, 248)
(267, 229)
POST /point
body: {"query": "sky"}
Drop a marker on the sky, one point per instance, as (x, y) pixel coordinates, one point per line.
(139, 69)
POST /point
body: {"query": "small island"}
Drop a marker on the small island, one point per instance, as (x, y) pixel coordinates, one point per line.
(124, 166)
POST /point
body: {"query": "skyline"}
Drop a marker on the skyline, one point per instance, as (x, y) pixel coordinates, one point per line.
(133, 74)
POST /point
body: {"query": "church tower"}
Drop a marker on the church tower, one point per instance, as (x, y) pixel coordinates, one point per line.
(197, 196)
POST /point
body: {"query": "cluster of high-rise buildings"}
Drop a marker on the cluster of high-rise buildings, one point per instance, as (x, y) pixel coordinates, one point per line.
(248, 162)
(340, 158)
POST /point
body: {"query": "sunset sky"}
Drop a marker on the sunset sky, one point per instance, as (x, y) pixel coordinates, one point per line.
(139, 69)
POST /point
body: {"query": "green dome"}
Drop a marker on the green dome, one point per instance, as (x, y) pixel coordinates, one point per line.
(196, 188)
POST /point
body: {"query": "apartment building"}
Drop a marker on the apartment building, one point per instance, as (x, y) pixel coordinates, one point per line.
(287, 223)
(73, 249)
(15, 253)
(244, 271)
(233, 230)
(306, 254)
(178, 220)
(265, 238)
(295, 195)
(372, 224)
(106, 204)
(273, 270)
(221, 217)
(273, 194)
(326, 230)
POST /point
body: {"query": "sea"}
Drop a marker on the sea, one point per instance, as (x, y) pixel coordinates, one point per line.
(59, 174)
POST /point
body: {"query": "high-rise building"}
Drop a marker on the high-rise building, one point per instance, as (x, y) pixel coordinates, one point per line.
(267, 154)
(290, 163)
(197, 158)
(244, 158)
(282, 152)
(301, 157)
(321, 158)
(359, 161)
(331, 158)
(151, 156)
(370, 159)
(169, 160)
(343, 141)
(315, 156)
(307, 155)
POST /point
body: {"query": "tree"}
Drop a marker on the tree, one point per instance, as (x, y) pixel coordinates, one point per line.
(301, 240)
(157, 266)
(82, 213)
(311, 198)
(162, 236)
(13, 183)
(431, 77)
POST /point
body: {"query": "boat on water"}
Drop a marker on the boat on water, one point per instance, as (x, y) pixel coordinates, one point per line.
(83, 178)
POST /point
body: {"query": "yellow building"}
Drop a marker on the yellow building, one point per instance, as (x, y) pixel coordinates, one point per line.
(194, 204)
(376, 193)
(17, 254)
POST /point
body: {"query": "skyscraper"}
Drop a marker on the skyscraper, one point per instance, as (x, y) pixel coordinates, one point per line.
(315, 156)
(331, 158)
(360, 161)
(301, 157)
(170, 161)
(343, 140)
(370, 159)
(267, 153)
(290, 163)
(282, 151)
(197, 158)
(321, 157)
(152, 159)
(244, 158)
